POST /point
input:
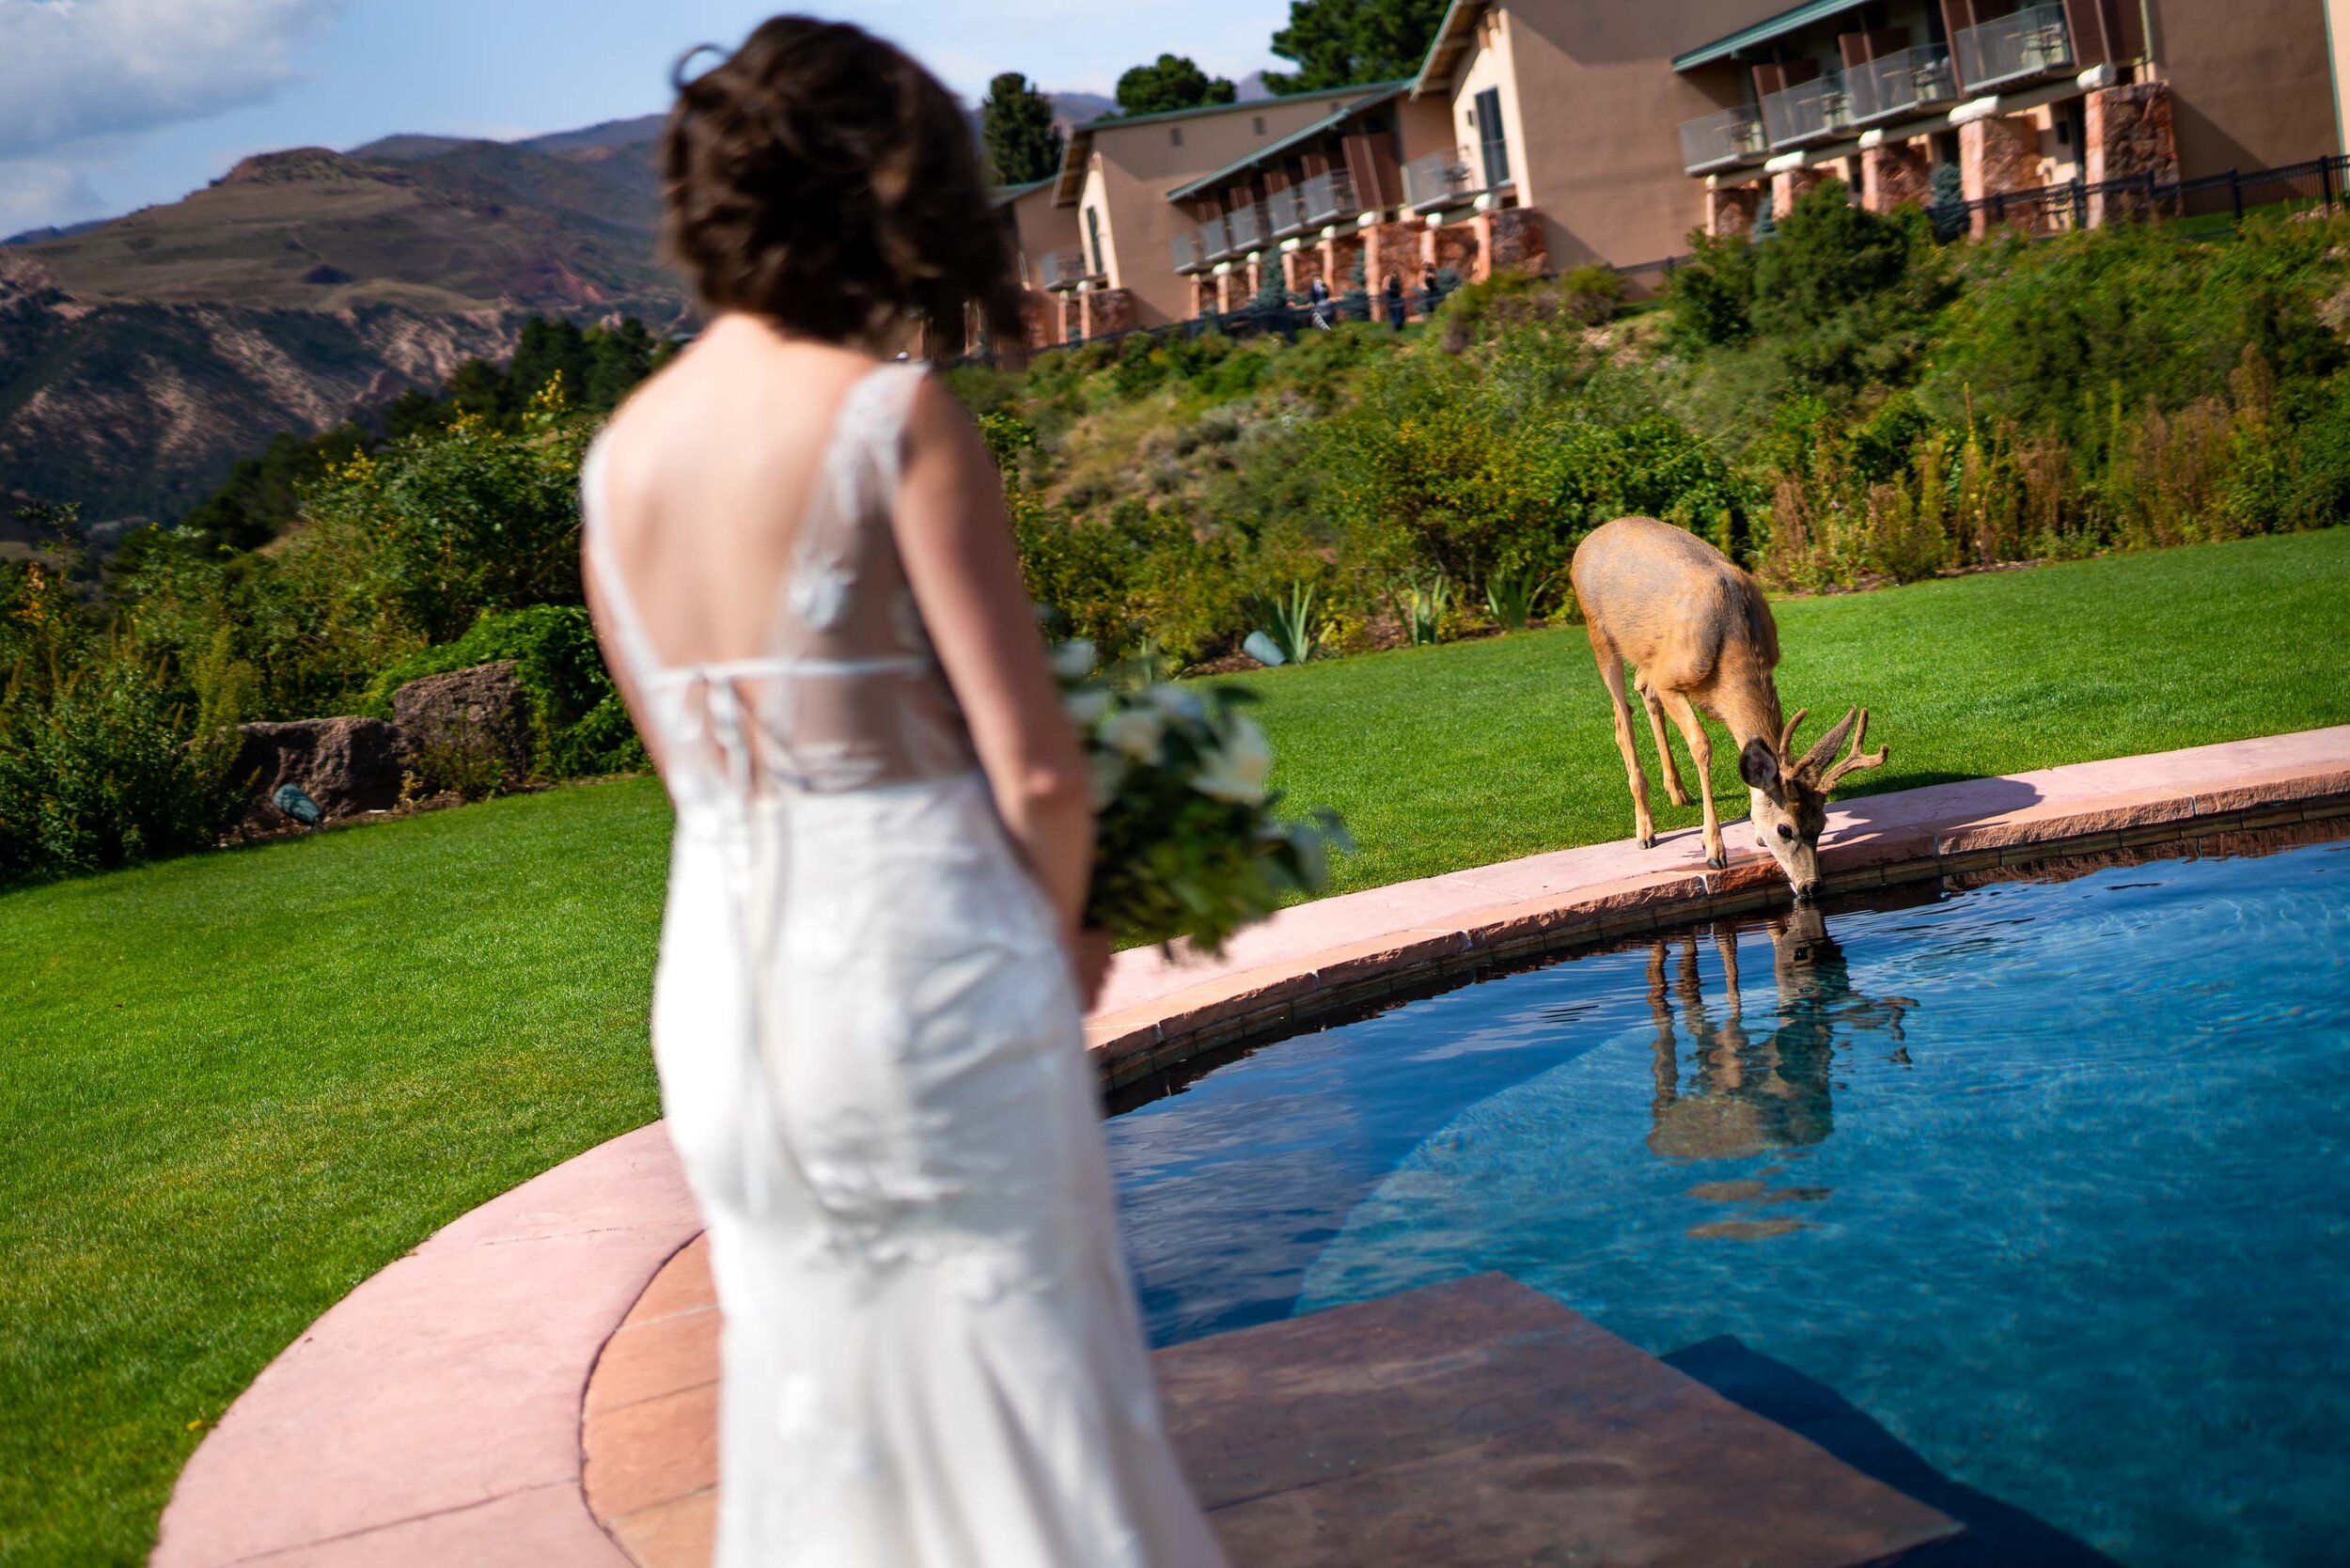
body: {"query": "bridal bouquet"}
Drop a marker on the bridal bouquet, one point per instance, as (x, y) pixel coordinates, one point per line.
(1187, 843)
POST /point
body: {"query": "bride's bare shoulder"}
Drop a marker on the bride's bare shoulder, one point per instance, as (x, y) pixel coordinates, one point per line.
(737, 378)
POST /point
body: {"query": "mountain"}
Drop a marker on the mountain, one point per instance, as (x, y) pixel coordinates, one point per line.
(140, 359)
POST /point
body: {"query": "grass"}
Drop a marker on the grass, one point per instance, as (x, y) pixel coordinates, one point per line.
(237, 1085)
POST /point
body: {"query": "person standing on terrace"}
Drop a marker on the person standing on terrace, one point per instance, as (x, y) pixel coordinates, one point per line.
(866, 1015)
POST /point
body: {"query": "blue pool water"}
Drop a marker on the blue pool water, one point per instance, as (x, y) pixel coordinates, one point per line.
(2047, 1179)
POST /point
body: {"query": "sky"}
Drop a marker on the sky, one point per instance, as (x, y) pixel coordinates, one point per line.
(109, 105)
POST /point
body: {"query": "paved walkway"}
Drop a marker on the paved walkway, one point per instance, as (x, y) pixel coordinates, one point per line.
(435, 1414)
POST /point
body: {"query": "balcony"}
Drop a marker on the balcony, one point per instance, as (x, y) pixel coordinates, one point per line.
(1247, 228)
(1191, 253)
(2014, 48)
(1718, 141)
(1905, 80)
(1066, 268)
(1328, 198)
(1215, 239)
(1805, 111)
(1285, 212)
(1441, 179)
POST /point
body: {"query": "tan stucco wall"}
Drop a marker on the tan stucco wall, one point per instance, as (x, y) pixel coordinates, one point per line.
(1042, 229)
(1599, 110)
(1489, 65)
(2338, 35)
(2250, 87)
(1135, 166)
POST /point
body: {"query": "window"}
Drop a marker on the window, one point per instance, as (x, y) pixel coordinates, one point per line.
(1258, 122)
(1174, 136)
(1094, 232)
(1495, 146)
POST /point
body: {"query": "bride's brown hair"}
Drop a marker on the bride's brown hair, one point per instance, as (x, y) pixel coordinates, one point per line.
(819, 177)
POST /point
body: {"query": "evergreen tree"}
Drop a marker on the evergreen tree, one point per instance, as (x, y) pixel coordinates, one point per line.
(1016, 128)
(1338, 43)
(1170, 82)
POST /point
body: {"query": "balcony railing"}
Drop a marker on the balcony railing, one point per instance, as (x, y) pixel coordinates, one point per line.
(1805, 111)
(1247, 227)
(1191, 252)
(1904, 80)
(2011, 48)
(1215, 239)
(1442, 180)
(1328, 197)
(1285, 211)
(1718, 141)
(1066, 268)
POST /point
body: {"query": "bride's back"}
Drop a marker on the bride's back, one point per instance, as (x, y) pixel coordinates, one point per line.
(708, 479)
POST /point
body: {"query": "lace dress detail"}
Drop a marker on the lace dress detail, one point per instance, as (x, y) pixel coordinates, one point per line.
(873, 1067)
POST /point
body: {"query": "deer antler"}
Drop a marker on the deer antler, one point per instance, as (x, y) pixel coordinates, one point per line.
(1787, 736)
(1855, 759)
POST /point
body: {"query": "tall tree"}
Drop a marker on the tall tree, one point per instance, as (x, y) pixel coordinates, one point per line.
(1170, 82)
(1016, 127)
(1338, 43)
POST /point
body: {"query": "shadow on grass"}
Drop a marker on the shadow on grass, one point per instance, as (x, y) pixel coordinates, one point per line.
(1999, 1534)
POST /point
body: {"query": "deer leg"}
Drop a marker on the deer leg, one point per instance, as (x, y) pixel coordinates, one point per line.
(1674, 789)
(1644, 825)
(1701, 758)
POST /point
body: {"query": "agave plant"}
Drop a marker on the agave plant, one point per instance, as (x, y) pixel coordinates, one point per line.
(1513, 594)
(1422, 607)
(1290, 625)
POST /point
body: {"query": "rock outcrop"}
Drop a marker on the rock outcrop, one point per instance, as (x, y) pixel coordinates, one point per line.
(468, 731)
(348, 766)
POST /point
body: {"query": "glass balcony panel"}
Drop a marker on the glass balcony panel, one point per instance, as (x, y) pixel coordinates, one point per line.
(1732, 136)
(1890, 84)
(1190, 254)
(1247, 228)
(1285, 211)
(1805, 111)
(1441, 178)
(2026, 43)
(1215, 239)
(1064, 269)
(1329, 197)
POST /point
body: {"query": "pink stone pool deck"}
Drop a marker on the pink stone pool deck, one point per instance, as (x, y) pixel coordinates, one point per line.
(444, 1411)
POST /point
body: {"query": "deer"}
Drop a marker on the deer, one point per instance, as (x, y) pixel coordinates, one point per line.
(1697, 632)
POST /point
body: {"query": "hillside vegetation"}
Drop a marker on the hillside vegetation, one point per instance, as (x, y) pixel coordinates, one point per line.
(1846, 403)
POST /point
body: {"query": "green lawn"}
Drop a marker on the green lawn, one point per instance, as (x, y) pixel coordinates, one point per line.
(234, 1085)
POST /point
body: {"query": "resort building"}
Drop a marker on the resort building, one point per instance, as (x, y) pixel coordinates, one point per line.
(1555, 133)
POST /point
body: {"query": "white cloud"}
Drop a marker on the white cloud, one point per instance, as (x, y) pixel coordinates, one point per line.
(34, 194)
(71, 69)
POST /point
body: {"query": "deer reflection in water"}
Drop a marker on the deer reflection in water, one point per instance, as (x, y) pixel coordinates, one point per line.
(1755, 1091)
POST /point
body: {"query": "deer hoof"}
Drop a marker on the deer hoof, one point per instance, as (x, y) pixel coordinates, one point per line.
(1720, 861)
(1648, 841)
(1679, 797)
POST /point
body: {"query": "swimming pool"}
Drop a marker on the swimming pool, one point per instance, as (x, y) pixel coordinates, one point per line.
(2046, 1178)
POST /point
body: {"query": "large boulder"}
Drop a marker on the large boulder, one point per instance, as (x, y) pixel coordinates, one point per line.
(467, 732)
(348, 766)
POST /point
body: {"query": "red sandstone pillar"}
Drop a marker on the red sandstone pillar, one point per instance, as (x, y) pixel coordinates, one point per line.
(1996, 155)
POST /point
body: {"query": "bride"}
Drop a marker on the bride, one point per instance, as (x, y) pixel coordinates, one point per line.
(866, 1012)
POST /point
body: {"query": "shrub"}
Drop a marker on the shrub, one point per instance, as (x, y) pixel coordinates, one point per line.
(560, 665)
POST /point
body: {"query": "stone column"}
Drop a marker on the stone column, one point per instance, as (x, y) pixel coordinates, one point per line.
(1898, 174)
(1107, 310)
(1996, 155)
(1731, 209)
(1457, 245)
(1254, 274)
(1228, 289)
(1788, 186)
(1202, 294)
(2130, 136)
(1513, 237)
(1390, 247)
(1338, 255)
(1068, 316)
(1300, 267)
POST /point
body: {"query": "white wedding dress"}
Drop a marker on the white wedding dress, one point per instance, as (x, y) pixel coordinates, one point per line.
(871, 1064)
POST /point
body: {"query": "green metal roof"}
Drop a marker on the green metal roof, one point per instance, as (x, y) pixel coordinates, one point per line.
(1081, 136)
(1762, 32)
(1002, 193)
(1335, 117)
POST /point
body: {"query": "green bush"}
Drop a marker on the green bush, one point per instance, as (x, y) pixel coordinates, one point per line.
(581, 726)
